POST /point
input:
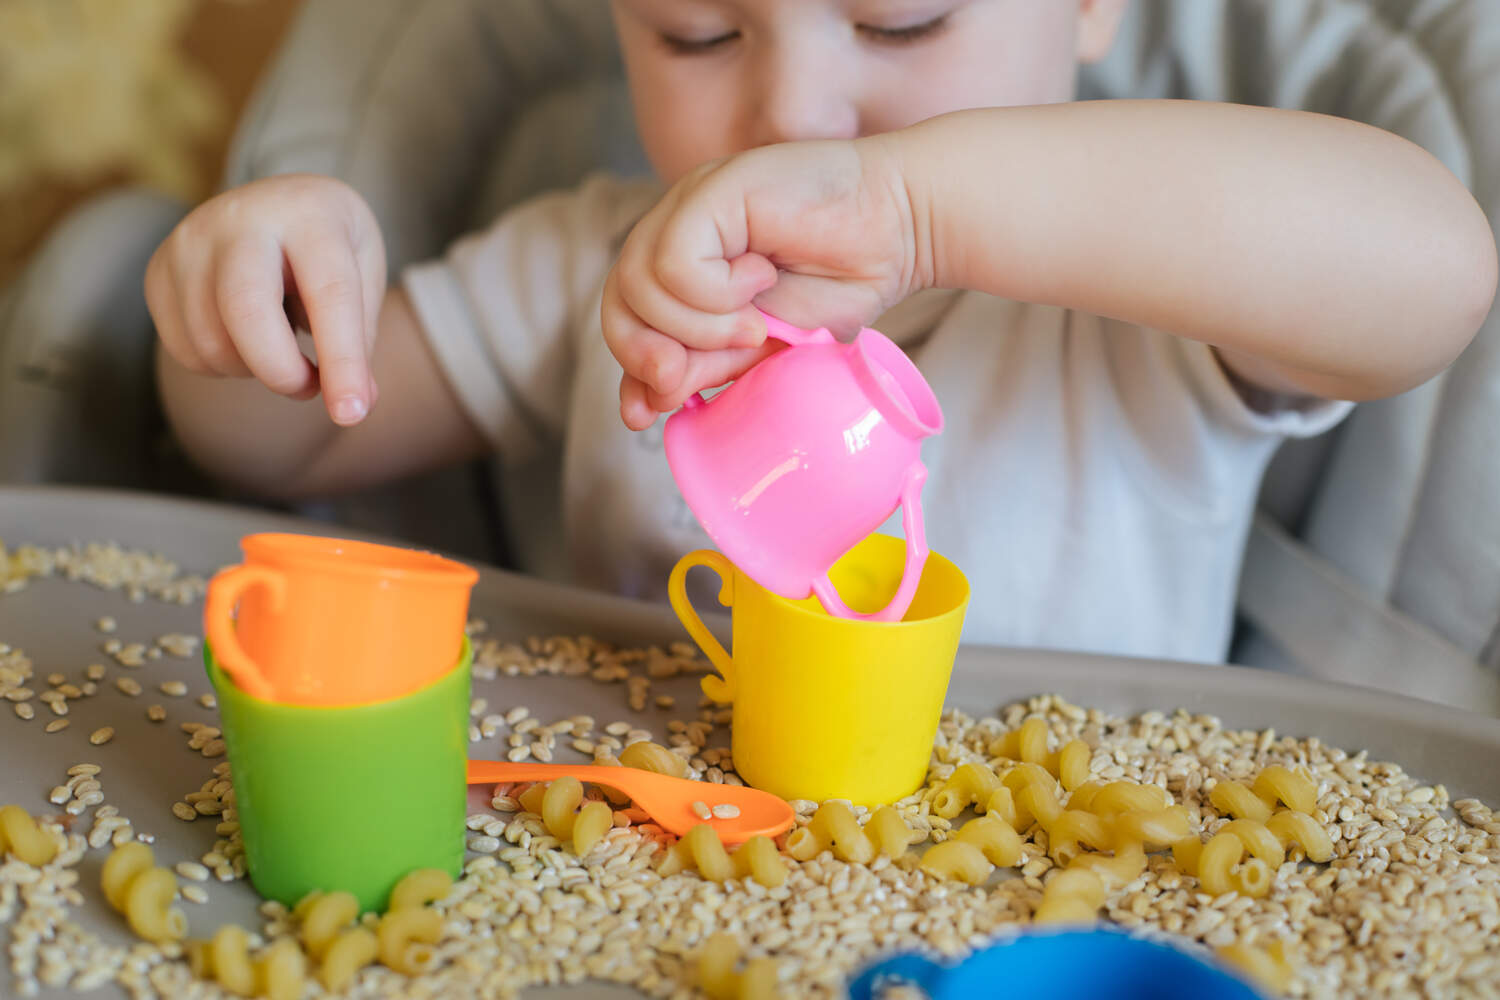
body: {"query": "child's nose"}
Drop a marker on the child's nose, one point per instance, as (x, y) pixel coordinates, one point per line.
(800, 99)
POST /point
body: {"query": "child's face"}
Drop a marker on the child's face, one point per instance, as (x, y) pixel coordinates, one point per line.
(714, 77)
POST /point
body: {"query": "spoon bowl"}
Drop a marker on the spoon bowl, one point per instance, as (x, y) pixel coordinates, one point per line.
(668, 800)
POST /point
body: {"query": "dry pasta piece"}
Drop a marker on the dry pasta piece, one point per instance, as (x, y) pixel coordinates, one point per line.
(835, 825)
(349, 952)
(1251, 877)
(281, 970)
(1185, 853)
(699, 848)
(1002, 805)
(1038, 802)
(531, 798)
(148, 907)
(1073, 764)
(1065, 910)
(716, 961)
(1270, 967)
(1127, 796)
(1281, 784)
(1234, 798)
(1150, 829)
(1071, 896)
(328, 914)
(1072, 828)
(957, 859)
(758, 858)
(1115, 871)
(406, 937)
(594, 820)
(560, 805)
(420, 887)
(228, 960)
(759, 980)
(647, 756)
(1299, 828)
(970, 783)
(1031, 741)
(995, 838)
(890, 832)
(1258, 840)
(124, 864)
(20, 835)
(1220, 855)
(804, 843)
(1082, 797)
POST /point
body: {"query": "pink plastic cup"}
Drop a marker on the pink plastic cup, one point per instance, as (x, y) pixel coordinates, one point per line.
(791, 465)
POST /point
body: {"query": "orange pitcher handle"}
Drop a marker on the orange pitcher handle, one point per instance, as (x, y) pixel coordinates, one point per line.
(224, 592)
(916, 558)
(719, 689)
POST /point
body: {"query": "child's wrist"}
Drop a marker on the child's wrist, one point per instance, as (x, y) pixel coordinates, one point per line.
(888, 169)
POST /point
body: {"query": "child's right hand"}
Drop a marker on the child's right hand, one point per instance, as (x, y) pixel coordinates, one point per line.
(222, 285)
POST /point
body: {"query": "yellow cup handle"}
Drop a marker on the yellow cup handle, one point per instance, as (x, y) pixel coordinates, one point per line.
(224, 592)
(719, 689)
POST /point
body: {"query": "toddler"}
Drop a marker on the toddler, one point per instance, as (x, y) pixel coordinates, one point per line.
(1123, 307)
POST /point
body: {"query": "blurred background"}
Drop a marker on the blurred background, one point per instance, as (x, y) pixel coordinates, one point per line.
(96, 93)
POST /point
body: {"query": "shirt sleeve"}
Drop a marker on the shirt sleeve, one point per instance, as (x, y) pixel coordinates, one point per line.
(502, 307)
(1257, 411)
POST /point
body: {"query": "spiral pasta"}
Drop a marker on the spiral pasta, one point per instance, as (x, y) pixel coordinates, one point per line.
(281, 971)
(699, 848)
(327, 915)
(20, 835)
(1070, 896)
(143, 893)
(1127, 796)
(647, 756)
(124, 864)
(1271, 967)
(716, 976)
(970, 783)
(996, 839)
(1276, 783)
(1073, 764)
(349, 951)
(1114, 870)
(890, 832)
(1299, 828)
(758, 858)
(405, 938)
(1234, 798)
(957, 859)
(225, 958)
(420, 887)
(560, 804)
(832, 826)
(1035, 792)
(594, 820)
(1149, 829)
(1072, 829)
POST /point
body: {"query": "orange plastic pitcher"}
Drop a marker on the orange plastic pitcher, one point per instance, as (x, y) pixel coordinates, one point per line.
(329, 621)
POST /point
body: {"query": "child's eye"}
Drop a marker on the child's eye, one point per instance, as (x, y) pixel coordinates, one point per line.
(696, 46)
(908, 33)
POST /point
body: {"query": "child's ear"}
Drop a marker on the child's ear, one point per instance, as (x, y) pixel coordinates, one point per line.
(1098, 21)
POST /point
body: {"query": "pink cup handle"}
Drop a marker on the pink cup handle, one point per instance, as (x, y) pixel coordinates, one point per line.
(781, 330)
(916, 558)
(224, 592)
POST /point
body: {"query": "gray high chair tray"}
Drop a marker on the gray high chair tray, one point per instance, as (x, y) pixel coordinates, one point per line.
(147, 767)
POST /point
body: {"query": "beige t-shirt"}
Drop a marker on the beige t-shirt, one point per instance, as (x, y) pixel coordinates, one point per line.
(1095, 480)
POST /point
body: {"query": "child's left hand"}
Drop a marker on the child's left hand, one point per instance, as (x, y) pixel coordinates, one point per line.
(816, 233)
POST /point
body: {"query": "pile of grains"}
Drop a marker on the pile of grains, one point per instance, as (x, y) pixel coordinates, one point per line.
(1409, 905)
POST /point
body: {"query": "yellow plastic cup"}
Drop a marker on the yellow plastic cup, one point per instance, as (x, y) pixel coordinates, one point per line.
(825, 707)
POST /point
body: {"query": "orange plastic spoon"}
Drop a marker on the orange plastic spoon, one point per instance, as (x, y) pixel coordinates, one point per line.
(668, 800)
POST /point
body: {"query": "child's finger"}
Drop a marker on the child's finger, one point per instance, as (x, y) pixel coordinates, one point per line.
(644, 353)
(635, 409)
(704, 331)
(707, 369)
(193, 274)
(331, 290)
(249, 293)
(166, 314)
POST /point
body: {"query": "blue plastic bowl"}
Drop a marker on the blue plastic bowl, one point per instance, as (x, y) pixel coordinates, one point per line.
(1066, 965)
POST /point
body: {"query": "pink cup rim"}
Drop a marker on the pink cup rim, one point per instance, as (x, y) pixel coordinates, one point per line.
(915, 411)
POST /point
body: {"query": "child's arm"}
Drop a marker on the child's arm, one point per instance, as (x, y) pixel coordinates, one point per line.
(215, 288)
(1319, 255)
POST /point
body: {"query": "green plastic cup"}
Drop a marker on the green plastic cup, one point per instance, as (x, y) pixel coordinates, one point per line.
(349, 797)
